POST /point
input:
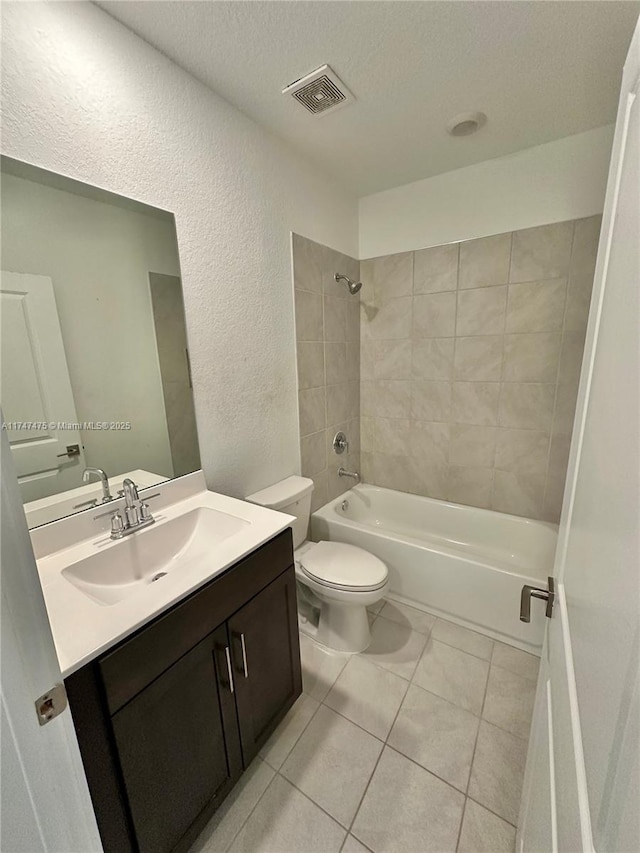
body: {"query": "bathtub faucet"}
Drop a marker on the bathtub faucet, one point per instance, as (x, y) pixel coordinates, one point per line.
(342, 472)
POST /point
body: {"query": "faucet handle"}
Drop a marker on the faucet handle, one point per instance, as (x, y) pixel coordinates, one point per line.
(145, 512)
(117, 523)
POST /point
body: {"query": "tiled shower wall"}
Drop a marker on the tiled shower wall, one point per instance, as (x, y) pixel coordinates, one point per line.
(470, 360)
(328, 355)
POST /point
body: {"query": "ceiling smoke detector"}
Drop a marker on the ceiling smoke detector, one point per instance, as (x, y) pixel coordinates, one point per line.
(319, 92)
(464, 124)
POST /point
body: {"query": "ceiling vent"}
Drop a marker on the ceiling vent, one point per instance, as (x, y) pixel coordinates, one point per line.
(320, 92)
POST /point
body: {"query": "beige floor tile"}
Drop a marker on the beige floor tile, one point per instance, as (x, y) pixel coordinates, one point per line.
(285, 736)
(462, 638)
(509, 701)
(395, 647)
(230, 817)
(367, 695)
(406, 809)
(332, 763)
(498, 770)
(515, 660)
(416, 619)
(438, 735)
(320, 667)
(484, 832)
(285, 821)
(453, 674)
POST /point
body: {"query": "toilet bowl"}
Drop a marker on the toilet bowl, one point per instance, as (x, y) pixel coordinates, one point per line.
(338, 581)
(345, 581)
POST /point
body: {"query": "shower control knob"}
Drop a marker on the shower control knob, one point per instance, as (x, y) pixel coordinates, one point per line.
(340, 443)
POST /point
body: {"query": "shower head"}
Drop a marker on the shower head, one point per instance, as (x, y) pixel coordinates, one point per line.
(354, 286)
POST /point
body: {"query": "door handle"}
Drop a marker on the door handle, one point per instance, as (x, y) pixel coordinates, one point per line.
(92, 503)
(72, 450)
(243, 648)
(529, 592)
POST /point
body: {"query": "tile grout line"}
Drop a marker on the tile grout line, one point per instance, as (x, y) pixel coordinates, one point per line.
(491, 811)
(452, 375)
(255, 806)
(464, 811)
(557, 383)
(502, 372)
(311, 800)
(475, 746)
(384, 745)
(426, 769)
(295, 743)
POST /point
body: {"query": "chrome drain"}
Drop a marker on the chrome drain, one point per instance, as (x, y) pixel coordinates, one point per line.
(157, 577)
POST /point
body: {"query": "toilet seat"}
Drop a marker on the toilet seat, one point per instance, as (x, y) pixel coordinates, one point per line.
(340, 566)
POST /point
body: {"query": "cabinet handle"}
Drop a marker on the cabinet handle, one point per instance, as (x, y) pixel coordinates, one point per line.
(244, 656)
(229, 672)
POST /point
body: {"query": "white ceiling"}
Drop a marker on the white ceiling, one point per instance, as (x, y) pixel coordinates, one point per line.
(539, 70)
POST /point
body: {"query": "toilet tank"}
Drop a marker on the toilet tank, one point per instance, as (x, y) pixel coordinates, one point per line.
(292, 496)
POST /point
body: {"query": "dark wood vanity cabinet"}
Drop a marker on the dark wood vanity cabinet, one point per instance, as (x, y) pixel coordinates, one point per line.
(177, 745)
(265, 656)
(169, 719)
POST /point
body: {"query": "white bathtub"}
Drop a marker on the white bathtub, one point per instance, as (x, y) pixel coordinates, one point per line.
(460, 562)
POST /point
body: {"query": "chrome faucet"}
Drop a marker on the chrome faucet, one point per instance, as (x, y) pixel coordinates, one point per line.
(136, 512)
(342, 472)
(86, 477)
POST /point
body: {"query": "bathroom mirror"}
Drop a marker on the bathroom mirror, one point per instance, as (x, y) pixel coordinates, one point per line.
(95, 370)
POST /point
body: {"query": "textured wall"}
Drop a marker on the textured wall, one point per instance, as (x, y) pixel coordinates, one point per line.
(470, 361)
(328, 357)
(560, 180)
(85, 97)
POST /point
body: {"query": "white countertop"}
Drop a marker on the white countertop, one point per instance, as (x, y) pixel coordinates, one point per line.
(83, 628)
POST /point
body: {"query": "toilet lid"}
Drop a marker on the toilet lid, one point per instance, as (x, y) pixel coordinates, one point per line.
(343, 566)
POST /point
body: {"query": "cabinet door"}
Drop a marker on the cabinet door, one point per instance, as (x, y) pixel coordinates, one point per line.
(266, 658)
(178, 745)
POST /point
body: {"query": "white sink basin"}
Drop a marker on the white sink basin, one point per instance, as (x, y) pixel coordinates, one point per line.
(99, 591)
(150, 556)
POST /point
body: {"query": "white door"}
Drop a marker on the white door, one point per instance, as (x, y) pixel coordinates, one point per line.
(36, 389)
(45, 801)
(582, 784)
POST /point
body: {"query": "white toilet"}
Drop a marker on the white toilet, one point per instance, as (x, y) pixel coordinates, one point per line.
(338, 581)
